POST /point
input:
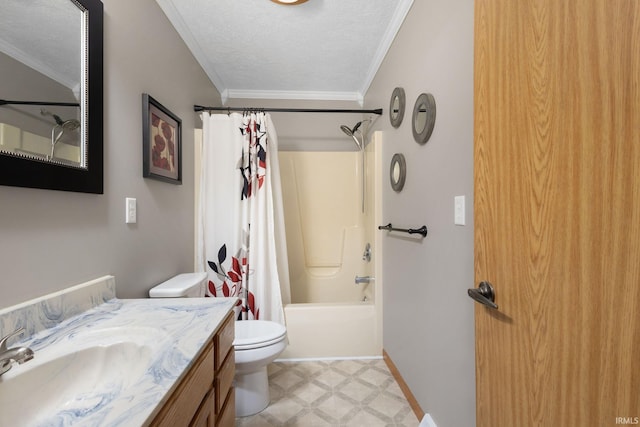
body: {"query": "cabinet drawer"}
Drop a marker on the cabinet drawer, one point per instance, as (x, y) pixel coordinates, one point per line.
(223, 340)
(227, 417)
(186, 398)
(224, 380)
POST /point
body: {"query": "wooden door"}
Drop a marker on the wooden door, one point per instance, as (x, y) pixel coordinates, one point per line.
(557, 211)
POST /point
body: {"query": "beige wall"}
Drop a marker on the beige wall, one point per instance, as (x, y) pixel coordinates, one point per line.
(428, 317)
(51, 240)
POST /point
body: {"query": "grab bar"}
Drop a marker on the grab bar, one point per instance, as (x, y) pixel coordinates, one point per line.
(422, 230)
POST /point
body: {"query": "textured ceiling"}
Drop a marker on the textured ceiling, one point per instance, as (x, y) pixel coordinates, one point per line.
(47, 41)
(321, 49)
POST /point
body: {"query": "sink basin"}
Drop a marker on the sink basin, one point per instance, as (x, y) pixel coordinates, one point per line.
(57, 388)
(107, 363)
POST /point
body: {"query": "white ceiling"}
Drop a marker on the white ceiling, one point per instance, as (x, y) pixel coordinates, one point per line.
(44, 35)
(320, 50)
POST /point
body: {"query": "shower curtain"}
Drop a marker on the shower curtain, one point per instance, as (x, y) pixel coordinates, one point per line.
(241, 240)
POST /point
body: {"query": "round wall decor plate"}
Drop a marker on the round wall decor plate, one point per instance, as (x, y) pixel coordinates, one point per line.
(424, 118)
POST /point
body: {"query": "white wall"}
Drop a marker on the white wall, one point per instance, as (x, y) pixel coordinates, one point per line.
(51, 239)
(428, 318)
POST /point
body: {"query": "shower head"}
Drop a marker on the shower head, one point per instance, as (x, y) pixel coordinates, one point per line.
(56, 117)
(352, 133)
(346, 129)
(360, 144)
(71, 124)
(67, 125)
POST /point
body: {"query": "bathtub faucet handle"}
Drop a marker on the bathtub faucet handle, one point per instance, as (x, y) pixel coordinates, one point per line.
(363, 279)
(366, 256)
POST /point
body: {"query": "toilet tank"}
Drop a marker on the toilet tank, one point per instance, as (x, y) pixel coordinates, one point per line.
(187, 285)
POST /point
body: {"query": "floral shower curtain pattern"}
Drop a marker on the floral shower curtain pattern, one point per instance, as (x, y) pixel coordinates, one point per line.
(241, 240)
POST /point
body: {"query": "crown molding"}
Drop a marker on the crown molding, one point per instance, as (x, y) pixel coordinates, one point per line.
(191, 41)
(389, 35)
(287, 94)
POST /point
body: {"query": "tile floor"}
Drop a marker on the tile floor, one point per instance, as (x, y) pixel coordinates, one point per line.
(333, 393)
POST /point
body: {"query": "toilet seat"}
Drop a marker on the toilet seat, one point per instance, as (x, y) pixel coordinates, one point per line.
(251, 334)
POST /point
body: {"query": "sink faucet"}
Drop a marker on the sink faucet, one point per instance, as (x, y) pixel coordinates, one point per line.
(16, 354)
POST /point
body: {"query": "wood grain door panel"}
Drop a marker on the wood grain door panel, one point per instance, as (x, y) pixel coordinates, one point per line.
(557, 211)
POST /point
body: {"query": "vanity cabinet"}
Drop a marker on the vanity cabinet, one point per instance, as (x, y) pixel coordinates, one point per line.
(205, 397)
(225, 370)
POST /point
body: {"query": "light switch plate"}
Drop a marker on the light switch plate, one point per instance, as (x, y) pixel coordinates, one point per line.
(131, 210)
(459, 212)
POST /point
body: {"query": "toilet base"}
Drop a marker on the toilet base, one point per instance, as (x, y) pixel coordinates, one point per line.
(252, 392)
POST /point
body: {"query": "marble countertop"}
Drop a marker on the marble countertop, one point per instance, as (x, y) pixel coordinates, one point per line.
(172, 332)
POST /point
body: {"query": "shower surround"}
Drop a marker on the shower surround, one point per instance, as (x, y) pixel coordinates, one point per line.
(330, 316)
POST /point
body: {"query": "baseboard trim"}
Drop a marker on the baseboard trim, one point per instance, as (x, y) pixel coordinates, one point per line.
(413, 403)
(326, 359)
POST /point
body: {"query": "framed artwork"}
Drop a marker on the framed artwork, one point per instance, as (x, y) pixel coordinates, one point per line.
(161, 142)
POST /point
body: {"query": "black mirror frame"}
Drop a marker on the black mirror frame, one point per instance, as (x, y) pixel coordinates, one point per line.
(20, 172)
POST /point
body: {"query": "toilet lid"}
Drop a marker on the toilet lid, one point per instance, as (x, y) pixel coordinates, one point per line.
(257, 333)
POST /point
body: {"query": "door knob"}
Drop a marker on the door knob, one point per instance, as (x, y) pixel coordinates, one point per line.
(484, 294)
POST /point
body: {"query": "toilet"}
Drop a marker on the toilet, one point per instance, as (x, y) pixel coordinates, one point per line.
(257, 343)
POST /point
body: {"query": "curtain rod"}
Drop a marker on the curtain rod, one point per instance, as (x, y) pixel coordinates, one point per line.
(47, 103)
(285, 110)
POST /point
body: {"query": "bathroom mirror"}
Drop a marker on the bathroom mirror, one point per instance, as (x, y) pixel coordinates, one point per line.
(397, 172)
(396, 107)
(424, 117)
(51, 94)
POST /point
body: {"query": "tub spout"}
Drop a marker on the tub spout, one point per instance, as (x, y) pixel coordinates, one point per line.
(364, 279)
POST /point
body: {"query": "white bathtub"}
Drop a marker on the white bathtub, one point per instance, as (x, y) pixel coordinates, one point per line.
(336, 330)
